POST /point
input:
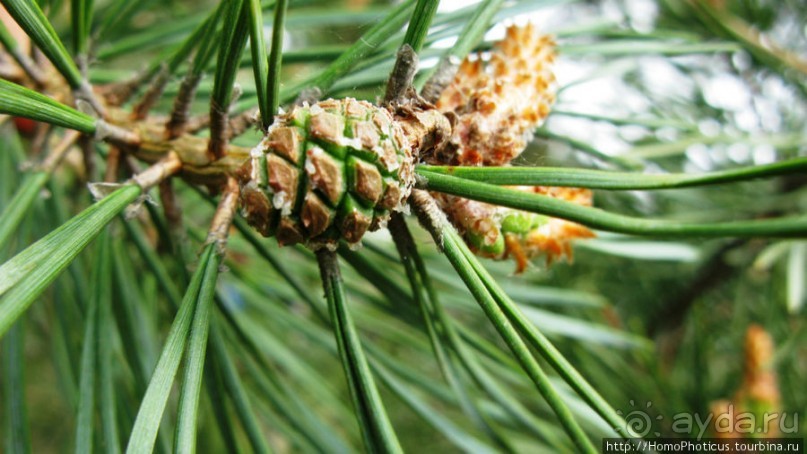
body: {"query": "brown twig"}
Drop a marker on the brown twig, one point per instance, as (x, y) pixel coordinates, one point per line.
(39, 57)
(220, 226)
(240, 123)
(173, 217)
(152, 94)
(112, 164)
(441, 78)
(10, 71)
(116, 94)
(59, 151)
(42, 134)
(220, 125)
(197, 123)
(399, 84)
(428, 129)
(85, 92)
(116, 135)
(29, 67)
(88, 156)
(429, 214)
(158, 172)
(171, 208)
(130, 164)
(218, 131)
(180, 113)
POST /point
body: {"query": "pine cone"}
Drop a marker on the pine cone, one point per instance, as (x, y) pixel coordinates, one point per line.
(327, 172)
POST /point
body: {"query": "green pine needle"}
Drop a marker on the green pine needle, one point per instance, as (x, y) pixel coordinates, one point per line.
(260, 63)
(20, 204)
(471, 35)
(238, 395)
(418, 28)
(17, 437)
(31, 19)
(541, 343)
(81, 12)
(85, 420)
(363, 47)
(266, 354)
(276, 57)
(27, 275)
(795, 226)
(427, 299)
(466, 265)
(152, 407)
(234, 37)
(599, 179)
(375, 426)
(23, 102)
(106, 331)
(187, 415)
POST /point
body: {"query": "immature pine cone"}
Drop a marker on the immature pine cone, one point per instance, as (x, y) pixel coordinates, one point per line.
(326, 172)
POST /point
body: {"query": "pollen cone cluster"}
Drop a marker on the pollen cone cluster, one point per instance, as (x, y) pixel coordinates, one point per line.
(759, 392)
(330, 171)
(755, 410)
(497, 104)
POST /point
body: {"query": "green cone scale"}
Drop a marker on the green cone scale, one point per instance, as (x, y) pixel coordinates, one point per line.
(330, 171)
